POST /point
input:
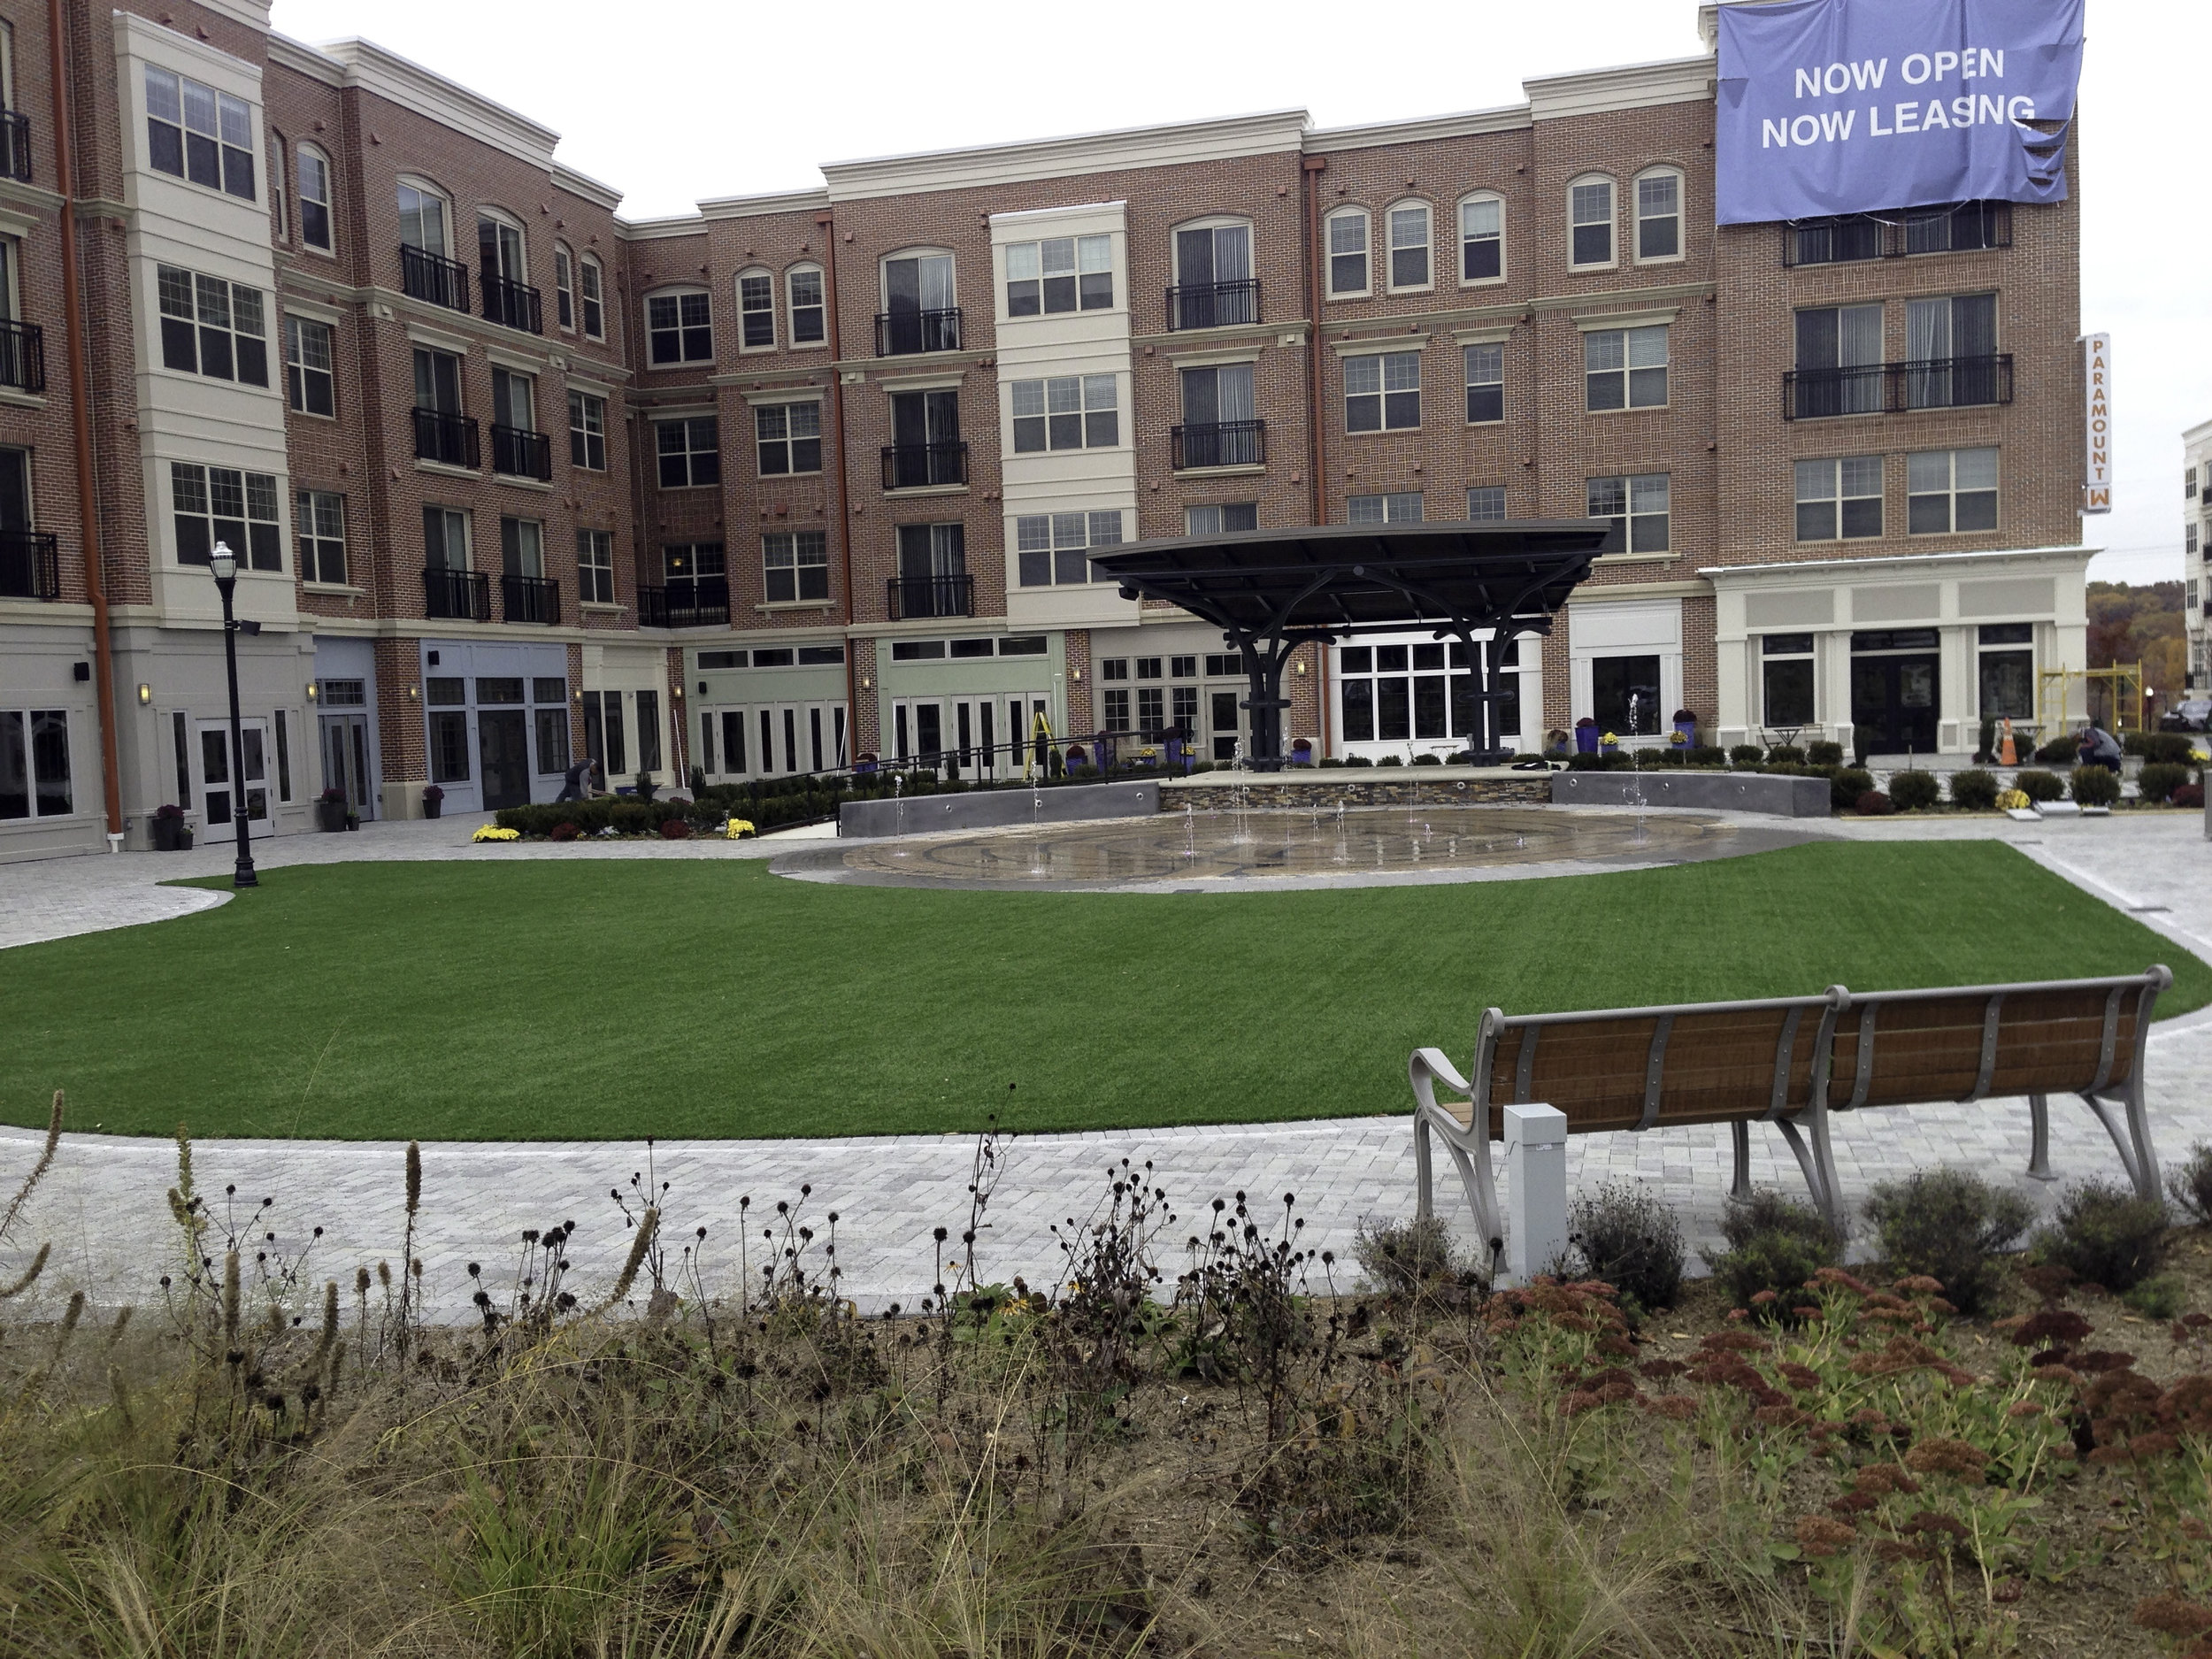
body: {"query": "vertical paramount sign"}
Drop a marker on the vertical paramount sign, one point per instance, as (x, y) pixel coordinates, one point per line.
(2096, 417)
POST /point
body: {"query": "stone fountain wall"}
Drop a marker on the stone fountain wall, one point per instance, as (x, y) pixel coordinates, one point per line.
(1357, 786)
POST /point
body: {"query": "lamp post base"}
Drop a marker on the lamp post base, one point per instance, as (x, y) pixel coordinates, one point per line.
(242, 874)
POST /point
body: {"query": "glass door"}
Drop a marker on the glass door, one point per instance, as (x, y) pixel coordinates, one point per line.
(346, 759)
(224, 795)
(503, 745)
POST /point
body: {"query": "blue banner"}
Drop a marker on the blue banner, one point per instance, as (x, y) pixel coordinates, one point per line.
(1862, 106)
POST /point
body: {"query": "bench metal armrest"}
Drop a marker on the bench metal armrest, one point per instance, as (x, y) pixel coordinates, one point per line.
(1467, 1144)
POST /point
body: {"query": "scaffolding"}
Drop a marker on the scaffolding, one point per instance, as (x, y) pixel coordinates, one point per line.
(2109, 697)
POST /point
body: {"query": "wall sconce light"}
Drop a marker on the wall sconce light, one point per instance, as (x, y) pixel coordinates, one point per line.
(1301, 671)
(414, 693)
(679, 694)
(1076, 674)
(145, 693)
(577, 696)
(867, 684)
(311, 691)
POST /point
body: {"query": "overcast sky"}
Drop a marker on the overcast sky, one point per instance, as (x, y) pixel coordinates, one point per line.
(674, 101)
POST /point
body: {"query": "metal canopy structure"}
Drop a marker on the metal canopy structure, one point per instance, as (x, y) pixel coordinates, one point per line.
(1270, 591)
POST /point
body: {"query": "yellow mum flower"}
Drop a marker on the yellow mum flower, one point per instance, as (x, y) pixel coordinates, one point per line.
(739, 829)
(493, 833)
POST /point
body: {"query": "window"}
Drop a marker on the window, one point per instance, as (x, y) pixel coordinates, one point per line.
(2189, 542)
(1950, 352)
(1213, 274)
(587, 291)
(499, 252)
(1221, 518)
(690, 452)
(603, 732)
(2189, 484)
(1950, 491)
(588, 431)
(35, 764)
(1394, 692)
(1624, 695)
(1410, 247)
(920, 313)
(422, 219)
(1839, 362)
(1625, 368)
(756, 312)
(521, 553)
(1659, 216)
(1638, 504)
(437, 381)
(445, 539)
(1050, 547)
(677, 328)
(790, 437)
(1060, 274)
(1382, 392)
(552, 733)
(309, 384)
(1398, 507)
(1074, 411)
(795, 566)
(2007, 670)
(564, 286)
(319, 517)
(1590, 223)
(212, 327)
(1485, 504)
(1839, 498)
(808, 317)
(314, 199)
(594, 566)
(195, 133)
(1485, 383)
(1786, 678)
(277, 171)
(1481, 239)
(1347, 254)
(514, 402)
(1219, 429)
(220, 504)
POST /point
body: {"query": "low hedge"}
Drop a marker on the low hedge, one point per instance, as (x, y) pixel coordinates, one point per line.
(1914, 791)
(2159, 779)
(2171, 748)
(2038, 785)
(1824, 754)
(2095, 786)
(1874, 804)
(1846, 783)
(1974, 790)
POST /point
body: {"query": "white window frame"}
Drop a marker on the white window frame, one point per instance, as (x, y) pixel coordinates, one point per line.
(1366, 251)
(1382, 392)
(280, 162)
(297, 368)
(766, 279)
(1082, 247)
(691, 453)
(1836, 494)
(590, 545)
(1504, 511)
(203, 481)
(1951, 491)
(779, 552)
(591, 293)
(580, 426)
(1190, 525)
(224, 148)
(1612, 222)
(1471, 367)
(202, 323)
(1059, 538)
(563, 287)
(301, 155)
(1092, 401)
(1631, 341)
(678, 292)
(1680, 216)
(1389, 506)
(1459, 218)
(820, 342)
(505, 220)
(1427, 244)
(1628, 481)
(308, 525)
(430, 192)
(764, 441)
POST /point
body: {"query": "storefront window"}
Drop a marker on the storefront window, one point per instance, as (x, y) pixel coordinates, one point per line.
(1787, 674)
(1624, 695)
(2007, 671)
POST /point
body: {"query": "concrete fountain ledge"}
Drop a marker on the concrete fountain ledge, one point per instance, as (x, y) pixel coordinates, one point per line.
(995, 809)
(1706, 791)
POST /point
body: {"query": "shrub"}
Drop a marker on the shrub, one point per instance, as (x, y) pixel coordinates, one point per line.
(1785, 754)
(2095, 786)
(1824, 754)
(562, 833)
(1774, 1243)
(1357, 760)
(2189, 1183)
(2038, 785)
(1746, 754)
(2189, 794)
(2105, 1235)
(1874, 804)
(1428, 760)
(2058, 749)
(1391, 760)
(1948, 1224)
(2169, 748)
(675, 830)
(1407, 1257)
(1914, 791)
(1704, 755)
(2161, 1298)
(1974, 790)
(2159, 778)
(1846, 783)
(1627, 1236)
(1862, 744)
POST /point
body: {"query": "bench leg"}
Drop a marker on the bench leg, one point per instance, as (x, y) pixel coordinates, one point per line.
(1740, 1132)
(1468, 1147)
(1817, 1162)
(2040, 1138)
(2130, 1132)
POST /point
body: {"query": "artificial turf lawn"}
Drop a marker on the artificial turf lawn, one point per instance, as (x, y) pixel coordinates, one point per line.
(552, 999)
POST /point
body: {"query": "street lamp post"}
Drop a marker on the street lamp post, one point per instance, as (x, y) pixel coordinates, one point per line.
(224, 563)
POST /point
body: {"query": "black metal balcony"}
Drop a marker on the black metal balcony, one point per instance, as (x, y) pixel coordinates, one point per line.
(914, 597)
(1875, 388)
(512, 304)
(1214, 305)
(686, 601)
(924, 465)
(23, 356)
(424, 276)
(1224, 444)
(15, 146)
(449, 440)
(531, 599)
(901, 334)
(461, 596)
(1964, 228)
(520, 453)
(30, 565)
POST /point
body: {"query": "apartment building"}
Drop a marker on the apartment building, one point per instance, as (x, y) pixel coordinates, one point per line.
(2196, 547)
(802, 478)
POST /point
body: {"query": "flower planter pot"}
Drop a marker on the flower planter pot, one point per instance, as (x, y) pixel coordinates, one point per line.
(330, 815)
(1585, 740)
(431, 809)
(169, 834)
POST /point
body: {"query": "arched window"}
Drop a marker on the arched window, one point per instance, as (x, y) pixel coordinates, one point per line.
(1590, 223)
(502, 264)
(1214, 285)
(278, 173)
(1411, 246)
(591, 297)
(1658, 215)
(426, 218)
(1482, 238)
(755, 311)
(921, 304)
(565, 288)
(1347, 233)
(678, 327)
(314, 199)
(810, 311)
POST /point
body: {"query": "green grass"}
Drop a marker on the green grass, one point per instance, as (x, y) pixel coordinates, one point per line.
(592, 998)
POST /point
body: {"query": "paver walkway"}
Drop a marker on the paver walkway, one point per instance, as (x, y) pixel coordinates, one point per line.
(102, 1208)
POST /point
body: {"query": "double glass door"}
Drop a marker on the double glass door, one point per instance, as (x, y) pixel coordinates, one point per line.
(774, 739)
(967, 737)
(231, 784)
(346, 760)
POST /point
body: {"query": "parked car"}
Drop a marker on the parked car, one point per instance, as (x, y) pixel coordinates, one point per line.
(2193, 715)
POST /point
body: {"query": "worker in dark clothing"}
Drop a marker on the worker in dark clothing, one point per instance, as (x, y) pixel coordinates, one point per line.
(573, 781)
(2099, 748)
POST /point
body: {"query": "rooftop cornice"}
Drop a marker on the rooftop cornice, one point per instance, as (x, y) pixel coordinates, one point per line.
(1892, 562)
(1625, 87)
(1374, 134)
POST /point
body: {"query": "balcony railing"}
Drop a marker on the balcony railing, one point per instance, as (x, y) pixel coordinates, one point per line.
(1892, 388)
(429, 276)
(23, 356)
(463, 595)
(1224, 444)
(512, 304)
(901, 334)
(915, 597)
(1854, 236)
(531, 599)
(922, 465)
(30, 565)
(686, 601)
(520, 453)
(15, 146)
(1214, 305)
(447, 439)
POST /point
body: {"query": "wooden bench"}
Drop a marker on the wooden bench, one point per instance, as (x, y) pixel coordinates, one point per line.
(1791, 1062)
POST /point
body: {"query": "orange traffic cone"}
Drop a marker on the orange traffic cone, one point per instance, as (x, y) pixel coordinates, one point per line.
(2008, 754)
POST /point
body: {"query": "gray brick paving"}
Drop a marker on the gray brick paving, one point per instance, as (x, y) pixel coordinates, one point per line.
(101, 1208)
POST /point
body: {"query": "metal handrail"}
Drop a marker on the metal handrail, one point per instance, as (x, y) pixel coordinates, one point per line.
(1222, 443)
(15, 146)
(447, 439)
(1849, 238)
(923, 465)
(424, 276)
(531, 599)
(512, 304)
(1214, 305)
(1872, 388)
(903, 333)
(30, 565)
(686, 602)
(519, 452)
(912, 597)
(463, 595)
(23, 356)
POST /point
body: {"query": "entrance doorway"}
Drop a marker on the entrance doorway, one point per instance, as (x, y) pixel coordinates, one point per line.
(502, 746)
(1895, 689)
(224, 795)
(971, 737)
(346, 760)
